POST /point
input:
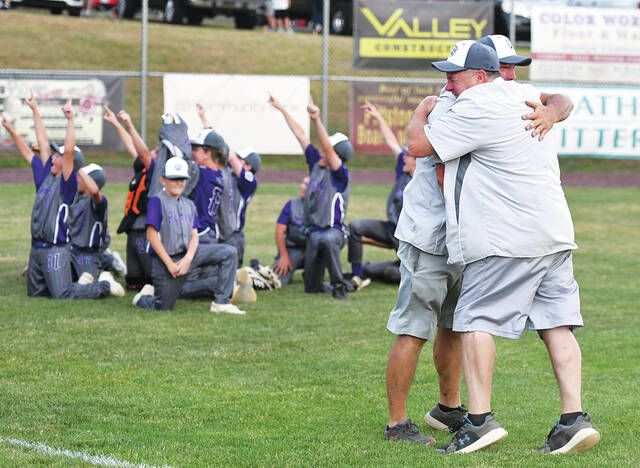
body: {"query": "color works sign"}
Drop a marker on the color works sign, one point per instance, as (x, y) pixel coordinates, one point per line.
(395, 102)
(406, 34)
(599, 45)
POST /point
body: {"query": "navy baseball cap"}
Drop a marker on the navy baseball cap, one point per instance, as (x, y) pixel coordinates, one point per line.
(252, 157)
(503, 47)
(469, 55)
(78, 157)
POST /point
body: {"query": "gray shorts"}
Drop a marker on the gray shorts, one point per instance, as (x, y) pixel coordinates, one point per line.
(427, 295)
(504, 296)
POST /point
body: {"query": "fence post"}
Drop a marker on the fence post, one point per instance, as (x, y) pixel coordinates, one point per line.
(144, 71)
(326, 26)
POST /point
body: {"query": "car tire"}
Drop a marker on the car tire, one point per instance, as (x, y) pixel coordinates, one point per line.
(245, 20)
(173, 12)
(56, 10)
(74, 11)
(341, 21)
(127, 9)
(194, 19)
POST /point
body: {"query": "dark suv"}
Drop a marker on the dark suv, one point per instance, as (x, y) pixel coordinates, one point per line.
(244, 12)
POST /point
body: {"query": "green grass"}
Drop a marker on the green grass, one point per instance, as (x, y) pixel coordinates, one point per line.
(101, 44)
(298, 381)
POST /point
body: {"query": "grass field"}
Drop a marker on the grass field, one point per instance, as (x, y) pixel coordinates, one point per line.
(298, 381)
(34, 39)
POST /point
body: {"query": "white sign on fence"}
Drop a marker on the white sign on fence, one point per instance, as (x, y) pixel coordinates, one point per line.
(237, 107)
(605, 121)
(585, 44)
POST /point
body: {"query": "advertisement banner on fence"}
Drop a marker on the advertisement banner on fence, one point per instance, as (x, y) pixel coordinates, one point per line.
(395, 103)
(605, 121)
(409, 35)
(237, 106)
(88, 94)
(585, 44)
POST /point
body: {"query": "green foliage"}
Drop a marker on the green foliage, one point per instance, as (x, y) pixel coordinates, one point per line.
(299, 380)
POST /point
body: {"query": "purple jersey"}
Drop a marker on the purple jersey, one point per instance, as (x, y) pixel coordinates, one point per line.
(247, 185)
(207, 196)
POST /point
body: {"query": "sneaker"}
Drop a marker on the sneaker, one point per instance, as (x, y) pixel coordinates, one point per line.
(243, 292)
(407, 430)
(86, 278)
(115, 288)
(225, 309)
(339, 291)
(147, 290)
(470, 438)
(360, 283)
(446, 420)
(578, 437)
(119, 267)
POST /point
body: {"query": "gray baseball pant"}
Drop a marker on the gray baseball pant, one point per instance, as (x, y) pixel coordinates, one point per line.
(168, 288)
(296, 255)
(237, 240)
(50, 275)
(378, 230)
(323, 249)
(89, 260)
(138, 261)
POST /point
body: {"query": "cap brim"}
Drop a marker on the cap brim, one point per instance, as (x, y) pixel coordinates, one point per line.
(55, 147)
(176, 177)
(516, 60)
(447, 67)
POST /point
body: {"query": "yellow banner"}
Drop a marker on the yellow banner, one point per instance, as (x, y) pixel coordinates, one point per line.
(375, 47)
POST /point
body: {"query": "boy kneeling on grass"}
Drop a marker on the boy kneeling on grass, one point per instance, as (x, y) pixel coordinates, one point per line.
(173, 238)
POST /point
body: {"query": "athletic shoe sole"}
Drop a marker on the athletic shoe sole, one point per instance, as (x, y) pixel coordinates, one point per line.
(489, 438)
(583, 440)
(434, 423)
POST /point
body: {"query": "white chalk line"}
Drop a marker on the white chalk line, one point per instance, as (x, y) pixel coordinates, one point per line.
(103, 460)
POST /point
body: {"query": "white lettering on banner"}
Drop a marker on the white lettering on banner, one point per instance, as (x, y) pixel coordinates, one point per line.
(237, 107)
(585, 44)
(605, 121)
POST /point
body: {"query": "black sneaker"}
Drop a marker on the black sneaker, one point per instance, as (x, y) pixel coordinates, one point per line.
(446, 420)
(339, 291)
(407, 430)
(470, 438)
(578, 437)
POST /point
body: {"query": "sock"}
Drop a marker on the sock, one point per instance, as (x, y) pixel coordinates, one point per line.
(567, 419)
(477, 419)
(446, 409)
(356, 269)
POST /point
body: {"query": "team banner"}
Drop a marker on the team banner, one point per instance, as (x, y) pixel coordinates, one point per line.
(395, 102)
(88, 94)
(411, 34)
(585, 44)
(605, 121)
(237, 107)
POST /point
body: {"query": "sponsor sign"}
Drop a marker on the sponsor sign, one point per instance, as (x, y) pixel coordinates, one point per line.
(585, 44)
(88, 95)
(411, 34)
(395, 102)
(237, 107)
(605, 121)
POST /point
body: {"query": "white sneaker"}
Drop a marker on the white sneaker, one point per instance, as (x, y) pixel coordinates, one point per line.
(119, 267)
(360, 283)
(86, 278)
(115, 288)
(244, 291)
(147, 290)
(225, 309)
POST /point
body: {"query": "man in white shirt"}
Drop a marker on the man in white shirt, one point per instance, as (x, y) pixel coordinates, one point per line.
(509, 224)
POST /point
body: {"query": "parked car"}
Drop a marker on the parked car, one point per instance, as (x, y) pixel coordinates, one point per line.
(56, 7)
(244, 12)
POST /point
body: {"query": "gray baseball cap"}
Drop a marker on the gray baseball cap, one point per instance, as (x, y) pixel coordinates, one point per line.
(209, 138)
(78, 156)
(503, 47)
(469, 55)
(342, 146)
(252, 157)
(97, 173)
